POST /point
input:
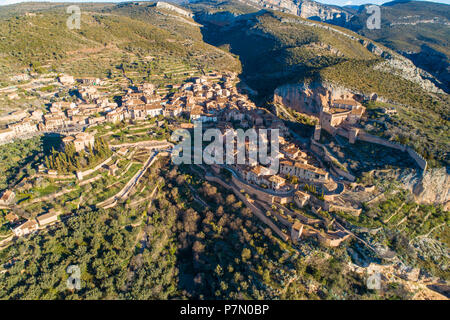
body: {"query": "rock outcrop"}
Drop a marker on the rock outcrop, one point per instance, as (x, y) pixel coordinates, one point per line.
(168, 6)
(306, 9)
(317, 11)
(220, 18)
(309, 98)
(431, 187)
(434, 187)
(407, 70)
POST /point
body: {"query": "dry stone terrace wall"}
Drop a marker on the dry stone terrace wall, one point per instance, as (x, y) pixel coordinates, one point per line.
(153, 144)
(82, 174)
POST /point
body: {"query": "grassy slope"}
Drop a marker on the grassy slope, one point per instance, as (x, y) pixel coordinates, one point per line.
(104, 40)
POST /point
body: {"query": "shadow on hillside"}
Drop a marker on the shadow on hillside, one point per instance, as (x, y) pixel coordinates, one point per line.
(263, 60)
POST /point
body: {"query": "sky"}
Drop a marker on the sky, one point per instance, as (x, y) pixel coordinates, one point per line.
(358, 2)
(335, 2)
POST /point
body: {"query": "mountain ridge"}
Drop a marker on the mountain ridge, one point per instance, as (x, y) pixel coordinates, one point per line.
(415, 29)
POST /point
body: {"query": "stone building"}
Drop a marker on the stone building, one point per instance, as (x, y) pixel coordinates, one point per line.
(7, 197)
(80, 140)
(303, 171)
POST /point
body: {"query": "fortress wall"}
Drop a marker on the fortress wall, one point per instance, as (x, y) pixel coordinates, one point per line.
(364, 136)
(258, 193)
(323, 204)
(329, 197)
(261, 195)
(343, 173)
(321, 151)
(316, 148)
(342, 132)
(377, 140)
(333, 239)
(421, 162)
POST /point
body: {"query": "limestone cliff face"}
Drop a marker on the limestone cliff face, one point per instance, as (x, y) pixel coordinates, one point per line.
(168, 6)
(306, 9)
(301, 97)
(434, 187)
(310, 98)
(402, 67)
(317, 11)
(431, 188)
(221, 18)
(434, 62)
(394, 62)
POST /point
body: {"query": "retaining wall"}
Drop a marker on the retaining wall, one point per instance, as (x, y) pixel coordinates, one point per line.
(82, 174)
(261, 195)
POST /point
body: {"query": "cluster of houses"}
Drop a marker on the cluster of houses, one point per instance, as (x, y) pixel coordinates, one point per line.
(85, 110)
(212, 100)
(200, 100)
(32, 225)
(24, 227)
(293, 162)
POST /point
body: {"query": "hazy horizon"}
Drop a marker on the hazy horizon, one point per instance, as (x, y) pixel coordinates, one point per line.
(332, 2)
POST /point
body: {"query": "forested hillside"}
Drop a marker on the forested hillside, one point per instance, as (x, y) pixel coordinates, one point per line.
(174, 247)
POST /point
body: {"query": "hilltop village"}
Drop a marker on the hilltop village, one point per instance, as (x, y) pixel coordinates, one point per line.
(295, 202)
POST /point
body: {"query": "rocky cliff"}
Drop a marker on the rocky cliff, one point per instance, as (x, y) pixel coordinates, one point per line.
(221, 18)
(434, 187)
(168, 6)
(431, 187)
(309, 98)
(307, 9)
(317, 11)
